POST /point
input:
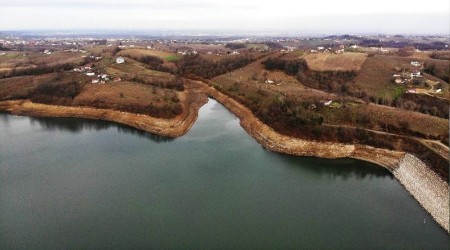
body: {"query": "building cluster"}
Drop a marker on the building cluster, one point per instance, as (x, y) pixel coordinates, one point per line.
(408, 75)
(337, 50)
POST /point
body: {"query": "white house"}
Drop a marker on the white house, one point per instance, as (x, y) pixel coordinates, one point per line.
(398, 80)
(328, 103)
(415, 63)
(120, 60)
(438, 90)
(90, 74)
(415, 74)
(269, 81)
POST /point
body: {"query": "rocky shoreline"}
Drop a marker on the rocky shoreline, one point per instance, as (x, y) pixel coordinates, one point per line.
(423, 184)
(426, 187)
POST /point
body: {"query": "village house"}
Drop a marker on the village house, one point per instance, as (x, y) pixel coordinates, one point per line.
(270, 82)
(328, 103)
(120, 60)
(90, 74)
(104, 77)
(416, 74)
(398, 81)
(415, 63)
(80, 69)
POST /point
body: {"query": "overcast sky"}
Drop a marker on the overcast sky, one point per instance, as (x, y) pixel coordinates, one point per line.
(323, 16)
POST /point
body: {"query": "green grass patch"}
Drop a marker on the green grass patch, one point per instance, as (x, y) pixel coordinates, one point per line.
(335, 105)
(397, 92)
(171, 58)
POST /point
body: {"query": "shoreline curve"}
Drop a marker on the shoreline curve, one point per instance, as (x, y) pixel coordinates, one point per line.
(419, 180)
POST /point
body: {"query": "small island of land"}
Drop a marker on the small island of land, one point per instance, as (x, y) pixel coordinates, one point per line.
(384, 104)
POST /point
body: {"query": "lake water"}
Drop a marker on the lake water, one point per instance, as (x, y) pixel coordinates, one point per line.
(71, 183)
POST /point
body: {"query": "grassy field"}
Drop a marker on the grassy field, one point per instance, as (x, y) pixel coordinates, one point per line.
(375, 77)
(119, 94)
(130, 97)
(165, 55)
(334, 62)
(19, 60)
(20, 86)
(132, 69)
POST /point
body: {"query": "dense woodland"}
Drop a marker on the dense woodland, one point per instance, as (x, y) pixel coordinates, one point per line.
(153, 62)
(56, 93)
(235, 46)
(425, 104)
(332, 81)
(196, 65)
(176, 82)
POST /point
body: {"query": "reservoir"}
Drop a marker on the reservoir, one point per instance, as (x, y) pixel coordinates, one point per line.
(74, 183)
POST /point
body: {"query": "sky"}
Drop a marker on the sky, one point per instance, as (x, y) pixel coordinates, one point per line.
(282, 16)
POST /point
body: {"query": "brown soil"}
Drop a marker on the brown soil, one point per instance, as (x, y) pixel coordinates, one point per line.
(191, 99)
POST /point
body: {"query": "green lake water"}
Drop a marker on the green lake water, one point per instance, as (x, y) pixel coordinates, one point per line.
(82, 184)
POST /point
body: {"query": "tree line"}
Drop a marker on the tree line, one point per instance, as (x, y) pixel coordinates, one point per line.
(332, 81)
(198, 66)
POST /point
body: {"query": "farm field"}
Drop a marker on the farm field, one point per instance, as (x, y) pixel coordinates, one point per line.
(132, 69)
(135, 53)
(20, 86)
(376, 81)
(335, 62)
(19, 60)
(116, 95)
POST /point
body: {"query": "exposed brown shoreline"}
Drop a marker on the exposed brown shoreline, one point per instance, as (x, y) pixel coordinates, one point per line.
(433, 195)
(422, 183)
(175, 127)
